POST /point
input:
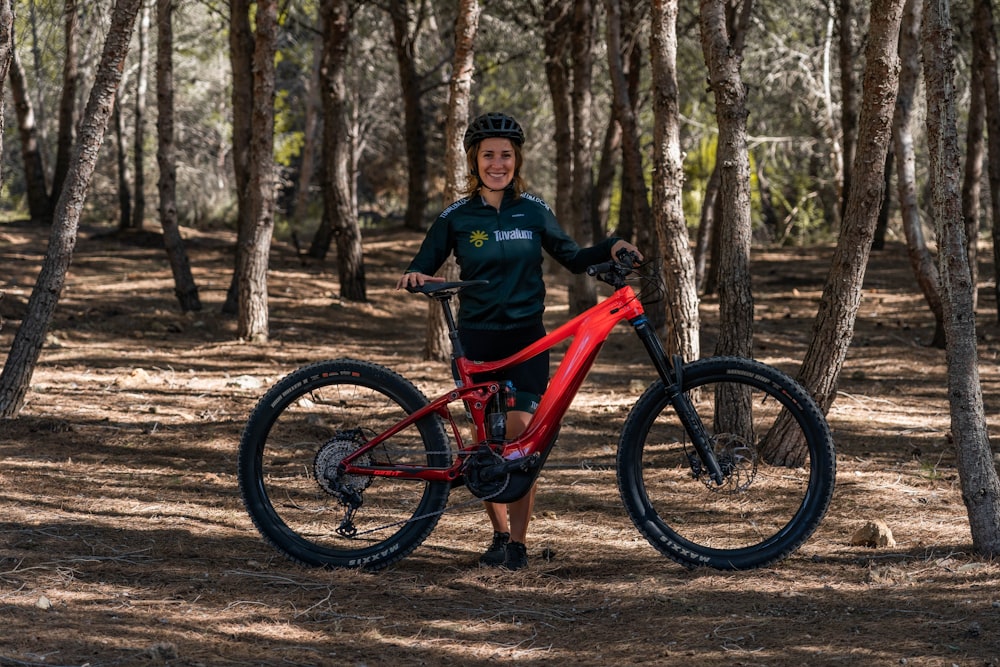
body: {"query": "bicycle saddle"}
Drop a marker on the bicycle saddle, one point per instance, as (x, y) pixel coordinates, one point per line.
(446, 288)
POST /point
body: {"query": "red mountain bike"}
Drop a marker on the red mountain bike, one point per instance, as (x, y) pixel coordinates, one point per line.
(724, 462)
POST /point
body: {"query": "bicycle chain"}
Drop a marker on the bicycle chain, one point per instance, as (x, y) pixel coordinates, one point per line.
(437, 512)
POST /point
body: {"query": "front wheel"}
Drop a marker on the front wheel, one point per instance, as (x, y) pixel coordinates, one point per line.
(766, 507)
(292, 487)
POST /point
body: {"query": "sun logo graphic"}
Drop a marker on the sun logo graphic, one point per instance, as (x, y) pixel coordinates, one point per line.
(478, 238)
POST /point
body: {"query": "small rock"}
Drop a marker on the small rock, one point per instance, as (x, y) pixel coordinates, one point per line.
(44, 603)
(874, 534)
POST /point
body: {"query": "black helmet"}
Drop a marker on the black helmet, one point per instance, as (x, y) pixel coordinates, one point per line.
(493, 125)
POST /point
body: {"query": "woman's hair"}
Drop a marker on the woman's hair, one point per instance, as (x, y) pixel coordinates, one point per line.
(472, 182)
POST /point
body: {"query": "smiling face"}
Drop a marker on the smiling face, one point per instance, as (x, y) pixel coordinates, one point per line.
(496, 162)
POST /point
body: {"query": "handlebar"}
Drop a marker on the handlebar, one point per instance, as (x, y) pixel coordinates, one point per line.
(614, 271)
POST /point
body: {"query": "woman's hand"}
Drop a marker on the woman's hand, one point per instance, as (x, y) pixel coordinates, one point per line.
(624, 245)
(416, 280)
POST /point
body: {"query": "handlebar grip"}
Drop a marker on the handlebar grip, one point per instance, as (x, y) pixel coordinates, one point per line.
(603, 267)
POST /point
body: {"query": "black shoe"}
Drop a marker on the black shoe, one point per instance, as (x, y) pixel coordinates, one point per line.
(496, 554)
(517, 556)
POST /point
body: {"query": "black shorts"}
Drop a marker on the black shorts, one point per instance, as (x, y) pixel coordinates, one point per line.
(530, 378)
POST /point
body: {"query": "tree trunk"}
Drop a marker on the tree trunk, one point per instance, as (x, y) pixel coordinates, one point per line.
(976, 470)
(838, 308)
(252, 322)
(668, 184)
(241, 44)
(139, 139)
(39, 206)
(184, 284)
(6, 53)
(121, 160)
(414, 137)
(27, 344)
(984, 40)
(638, 198)
(882, 226)
(722, 46)
(975, 149)
(338, 203)
(456, 168)
(582, 291)
(921, 259)
(67, 104)
(558, 27)
(312, 140)
(706, 232)
(849, 98)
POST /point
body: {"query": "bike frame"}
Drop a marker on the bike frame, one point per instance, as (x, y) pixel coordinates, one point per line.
(589, 331)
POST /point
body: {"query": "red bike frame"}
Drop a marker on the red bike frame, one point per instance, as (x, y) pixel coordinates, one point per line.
(589, 331)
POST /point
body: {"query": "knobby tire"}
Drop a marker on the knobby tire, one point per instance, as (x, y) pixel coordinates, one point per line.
(309, 421)
(763, 512)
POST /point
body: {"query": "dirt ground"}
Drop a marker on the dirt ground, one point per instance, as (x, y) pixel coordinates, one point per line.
(123, 540)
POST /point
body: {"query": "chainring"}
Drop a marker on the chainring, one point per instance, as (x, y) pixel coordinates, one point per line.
(477, 485)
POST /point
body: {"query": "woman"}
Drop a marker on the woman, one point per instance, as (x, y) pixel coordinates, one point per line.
(497, 233)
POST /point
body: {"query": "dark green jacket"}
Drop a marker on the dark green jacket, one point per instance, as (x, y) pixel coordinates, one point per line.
(505, 248)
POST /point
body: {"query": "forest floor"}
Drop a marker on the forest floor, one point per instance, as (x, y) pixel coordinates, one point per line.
(123, 539)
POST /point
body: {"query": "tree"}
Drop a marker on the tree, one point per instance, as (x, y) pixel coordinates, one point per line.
(255, 242)
(184, 285)
(582, 291)
(67, 103)
(921, 259)
(838, 308)
(339, 208)
(139, 138)
(848, 98)
(27, 344)
(241, 45)
(405, 30)
(31, 152)
(723, 48)
(977, 473)
(557, 21)
(668, 182)
(456, 168)
(985, 43)
(6, 53)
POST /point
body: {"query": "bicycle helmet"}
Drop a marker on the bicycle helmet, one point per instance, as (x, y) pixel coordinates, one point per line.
(493, 125)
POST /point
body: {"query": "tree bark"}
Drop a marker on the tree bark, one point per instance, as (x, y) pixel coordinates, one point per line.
(463, 67)
(668, 183)
(340, 209)
(252, 321)
(632, 169)
(921, 258)
(582, 291)
(849, 98)
(984, 40)
(27, 344)
(6, 53)
(722, 46)
(975, 153)
(184, 285)
(557, 28)
(977, 473)
(404, 41)
(121, 160)
(241, 44)
(39, 206)
(838, 308)
(139, 139)
(67, 104)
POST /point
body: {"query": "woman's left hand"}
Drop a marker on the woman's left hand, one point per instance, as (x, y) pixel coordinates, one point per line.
(624, 245)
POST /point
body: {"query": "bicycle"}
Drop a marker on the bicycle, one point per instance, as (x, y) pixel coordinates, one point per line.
(346, 463)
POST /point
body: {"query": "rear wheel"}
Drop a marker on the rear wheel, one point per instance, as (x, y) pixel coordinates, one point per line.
(762, 512)
(289, 454)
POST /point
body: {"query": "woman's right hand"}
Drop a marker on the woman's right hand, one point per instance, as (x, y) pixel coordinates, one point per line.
(416, 280)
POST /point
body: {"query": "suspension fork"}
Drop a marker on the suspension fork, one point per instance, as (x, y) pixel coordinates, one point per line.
(671, 371)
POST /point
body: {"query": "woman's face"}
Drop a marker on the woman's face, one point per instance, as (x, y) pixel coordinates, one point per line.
(496, 162)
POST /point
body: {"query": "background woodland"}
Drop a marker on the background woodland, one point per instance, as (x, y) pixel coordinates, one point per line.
(701, 132)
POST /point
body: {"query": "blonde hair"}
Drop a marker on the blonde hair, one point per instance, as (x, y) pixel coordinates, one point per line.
(472, 182)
